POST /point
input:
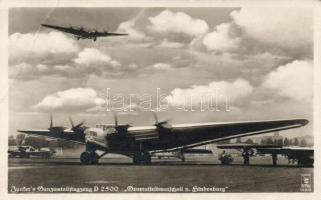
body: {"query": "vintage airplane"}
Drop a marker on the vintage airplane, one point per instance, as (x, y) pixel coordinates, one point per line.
(82, 33)
(180, 154)
(29, 151)
(139, 142)
(302, 155)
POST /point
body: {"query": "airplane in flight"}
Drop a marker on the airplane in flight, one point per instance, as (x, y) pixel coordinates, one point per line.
(139, 142)
(82, 33)
(304, 156)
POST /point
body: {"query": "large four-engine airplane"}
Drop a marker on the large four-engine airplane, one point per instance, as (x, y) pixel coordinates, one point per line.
(82, 33)
(140, 142)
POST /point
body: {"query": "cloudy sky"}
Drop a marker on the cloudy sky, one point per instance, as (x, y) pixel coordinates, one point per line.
(260, 59)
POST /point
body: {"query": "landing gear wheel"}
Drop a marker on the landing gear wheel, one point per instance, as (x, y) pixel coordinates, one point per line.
(89, 158)
(95, 158)
(85, 158)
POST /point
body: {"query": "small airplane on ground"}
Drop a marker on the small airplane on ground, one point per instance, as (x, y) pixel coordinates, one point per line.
(180, 154)
(29, 151)
(302, 155)
(140, 142)
(82, 33)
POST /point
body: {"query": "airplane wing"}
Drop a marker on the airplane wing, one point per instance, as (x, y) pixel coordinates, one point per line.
(243, 146)
(197, 151)
(67, 135)
(287, 151)
(103, 34)
(192, 135)
(64, 29)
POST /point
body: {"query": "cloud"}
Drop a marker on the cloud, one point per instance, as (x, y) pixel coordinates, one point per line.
(288, 28)
(74, 99)
(90, 56)
(278, 31)
(133, 66)
(62, 67)
(162, 66)
(221, 90)
(26, 71)
(293, 80)
(18, 69)
(168, 44)
(88, 61)
(31, 45)
(42, 67)
(133, 30)
(167, 28)
(220, 39)
(179, 22)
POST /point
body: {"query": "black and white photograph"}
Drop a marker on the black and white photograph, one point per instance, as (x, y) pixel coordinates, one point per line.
(161, 99)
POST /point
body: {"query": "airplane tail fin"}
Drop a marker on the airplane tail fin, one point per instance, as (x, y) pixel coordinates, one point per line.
(51, 123)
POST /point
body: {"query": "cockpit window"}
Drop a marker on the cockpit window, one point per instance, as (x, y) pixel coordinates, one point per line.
(104, 126)
(92, 133)
(110, 131)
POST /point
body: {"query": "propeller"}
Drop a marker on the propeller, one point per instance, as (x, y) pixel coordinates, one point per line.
(159, 124)
(115, 119)
(77, 127)
(121, 129)
(71, 122)
(78, 130)
(155, 117)
(58, 129)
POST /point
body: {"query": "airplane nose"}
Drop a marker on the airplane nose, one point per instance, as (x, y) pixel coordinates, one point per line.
(304, 122)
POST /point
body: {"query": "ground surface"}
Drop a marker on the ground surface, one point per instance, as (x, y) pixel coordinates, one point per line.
(120, 175)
